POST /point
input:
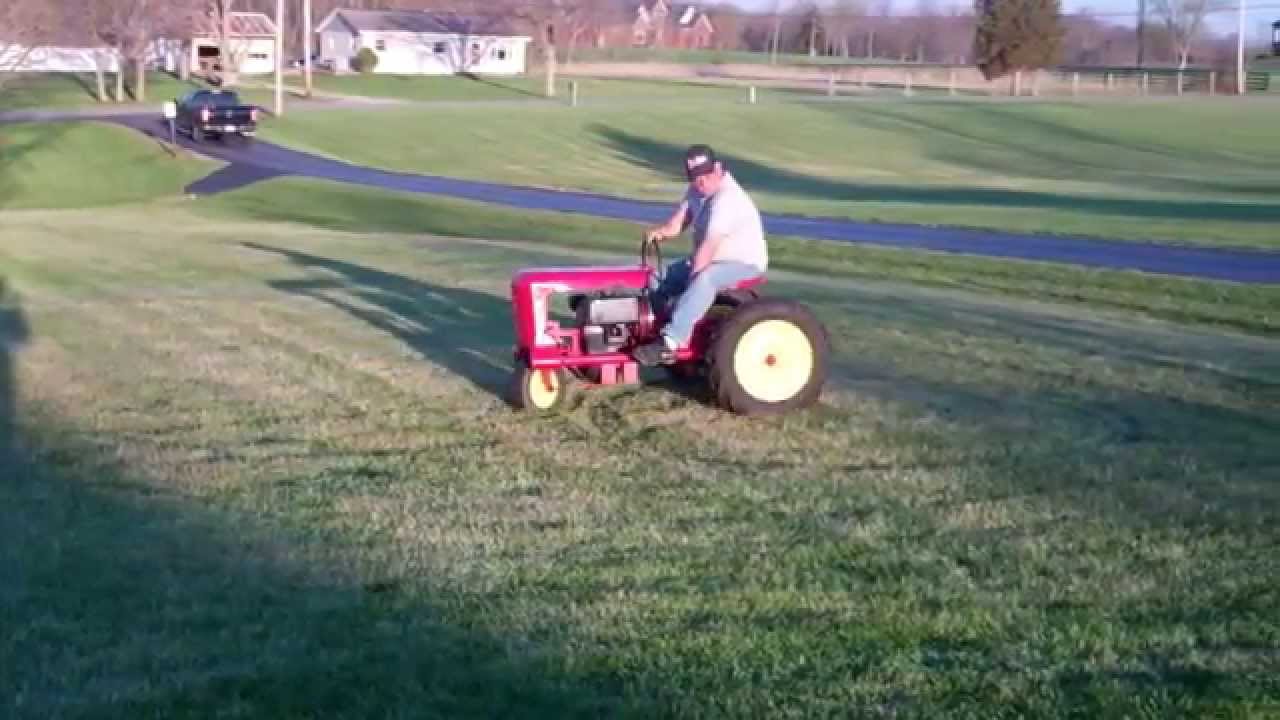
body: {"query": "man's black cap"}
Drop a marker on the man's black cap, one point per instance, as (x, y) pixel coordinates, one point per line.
(699, 160)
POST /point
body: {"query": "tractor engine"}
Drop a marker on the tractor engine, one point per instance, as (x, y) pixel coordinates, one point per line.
(609, 322)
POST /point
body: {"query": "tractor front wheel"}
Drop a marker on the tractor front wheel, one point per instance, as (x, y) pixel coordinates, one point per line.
(769, 357)
(542, 390)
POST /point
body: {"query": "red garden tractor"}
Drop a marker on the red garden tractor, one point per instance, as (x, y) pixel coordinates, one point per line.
(760, 356)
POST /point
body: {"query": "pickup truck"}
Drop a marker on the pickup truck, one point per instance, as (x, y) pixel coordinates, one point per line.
(217, 113)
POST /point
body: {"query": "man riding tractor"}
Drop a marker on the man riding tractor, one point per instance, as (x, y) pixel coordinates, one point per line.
(728, 248)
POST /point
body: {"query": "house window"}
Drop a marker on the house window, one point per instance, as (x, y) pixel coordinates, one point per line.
(380, 44)
(258, 56)
(439, 48)
(500, 53)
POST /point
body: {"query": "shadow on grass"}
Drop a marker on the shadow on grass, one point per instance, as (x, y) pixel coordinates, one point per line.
(122, 597)
(664, 159)
(13, 334)
(1018, 139)
(468, 333)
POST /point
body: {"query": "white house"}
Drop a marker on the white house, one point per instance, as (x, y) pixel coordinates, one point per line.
(417, 42)
(15, 58)
(252, 43)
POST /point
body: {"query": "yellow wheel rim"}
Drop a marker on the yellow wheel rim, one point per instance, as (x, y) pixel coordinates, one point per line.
(540, 395)
(773, 361)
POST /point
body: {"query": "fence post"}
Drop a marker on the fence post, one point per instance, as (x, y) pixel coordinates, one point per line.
(573, 93)
(951, 81)
(906, 82)
(831, 85)
(1146, 83)
(1108, 85)
(1213, 77)
(751, 95)
(1017, 83)
(1179, 82)
(1075, 83)
(1035, 83)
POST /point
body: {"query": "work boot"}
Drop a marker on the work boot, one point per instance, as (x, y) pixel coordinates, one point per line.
(658, 352)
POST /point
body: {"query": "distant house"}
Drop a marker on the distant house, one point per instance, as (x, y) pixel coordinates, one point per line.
(417, 42)
(251, 41)
(1275, 38)
(658, 24)
(57, 59)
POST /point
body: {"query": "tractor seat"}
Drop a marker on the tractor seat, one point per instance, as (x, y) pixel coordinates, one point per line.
(748, 283)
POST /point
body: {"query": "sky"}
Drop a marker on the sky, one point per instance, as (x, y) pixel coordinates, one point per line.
(1259, 14)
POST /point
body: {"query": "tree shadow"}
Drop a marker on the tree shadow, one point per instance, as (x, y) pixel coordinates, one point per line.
(14, 332)
(511, 88)
(466, 332)
(1018, 136)
(664, 160)
(122, 597)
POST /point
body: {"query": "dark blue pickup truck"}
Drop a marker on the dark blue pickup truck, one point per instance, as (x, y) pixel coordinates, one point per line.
(215, 113)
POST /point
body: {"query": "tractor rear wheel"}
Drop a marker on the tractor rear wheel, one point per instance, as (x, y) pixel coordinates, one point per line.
(542, 390)
(769, 357)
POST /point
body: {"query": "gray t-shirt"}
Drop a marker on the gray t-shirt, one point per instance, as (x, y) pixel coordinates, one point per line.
(730, 211)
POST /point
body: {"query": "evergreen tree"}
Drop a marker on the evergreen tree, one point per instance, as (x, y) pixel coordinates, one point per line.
(1016, 35)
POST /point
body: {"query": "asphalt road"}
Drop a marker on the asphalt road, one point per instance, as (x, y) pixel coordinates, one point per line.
(259, 160)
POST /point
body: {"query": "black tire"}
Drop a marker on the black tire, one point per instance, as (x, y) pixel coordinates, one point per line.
(795, 391)
(522, 395)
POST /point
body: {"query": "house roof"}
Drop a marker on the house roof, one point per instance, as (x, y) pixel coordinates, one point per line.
(419, 21)
(243, 24)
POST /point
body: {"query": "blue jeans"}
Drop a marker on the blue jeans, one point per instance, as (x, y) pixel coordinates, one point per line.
(695, 295)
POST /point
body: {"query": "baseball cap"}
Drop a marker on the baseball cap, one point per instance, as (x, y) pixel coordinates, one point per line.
(699, 160)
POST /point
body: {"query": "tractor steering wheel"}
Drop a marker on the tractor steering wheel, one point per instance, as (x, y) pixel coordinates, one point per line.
(656, 269)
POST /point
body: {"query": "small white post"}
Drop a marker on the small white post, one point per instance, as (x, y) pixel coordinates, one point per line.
(1146, 83)
(1017, 83)
(1213, 78)
(751, 94)
(573, 93)
(831, 85)
(1035, 83)
(951, 81)
(1075, 83)
(906, 82)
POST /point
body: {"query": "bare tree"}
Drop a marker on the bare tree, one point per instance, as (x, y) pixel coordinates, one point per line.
(25, 27)
(842, 19)
(1184, 21)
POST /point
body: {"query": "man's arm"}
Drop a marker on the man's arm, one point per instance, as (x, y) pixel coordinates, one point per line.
(706, 251)
(673, 226)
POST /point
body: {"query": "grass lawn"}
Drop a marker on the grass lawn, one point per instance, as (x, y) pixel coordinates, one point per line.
(1135, 171)
(262, 467)
(71, 90)
(526, 88)
(77, 165)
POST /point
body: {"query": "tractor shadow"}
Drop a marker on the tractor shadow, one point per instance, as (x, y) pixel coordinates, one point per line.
(465, 332)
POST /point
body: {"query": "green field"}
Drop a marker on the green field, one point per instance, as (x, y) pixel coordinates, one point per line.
(1133, 171)
(69, 90)
(78, 165)
(256, 464)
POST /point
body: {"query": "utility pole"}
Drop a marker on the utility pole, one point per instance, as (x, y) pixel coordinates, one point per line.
(1142, 29)
(279, 58)
(306, 43)
(1240, 79)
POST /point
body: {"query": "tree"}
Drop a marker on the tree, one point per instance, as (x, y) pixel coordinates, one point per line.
(842, 18)
(25, 26)
(1183, 20)
(1013, 35)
